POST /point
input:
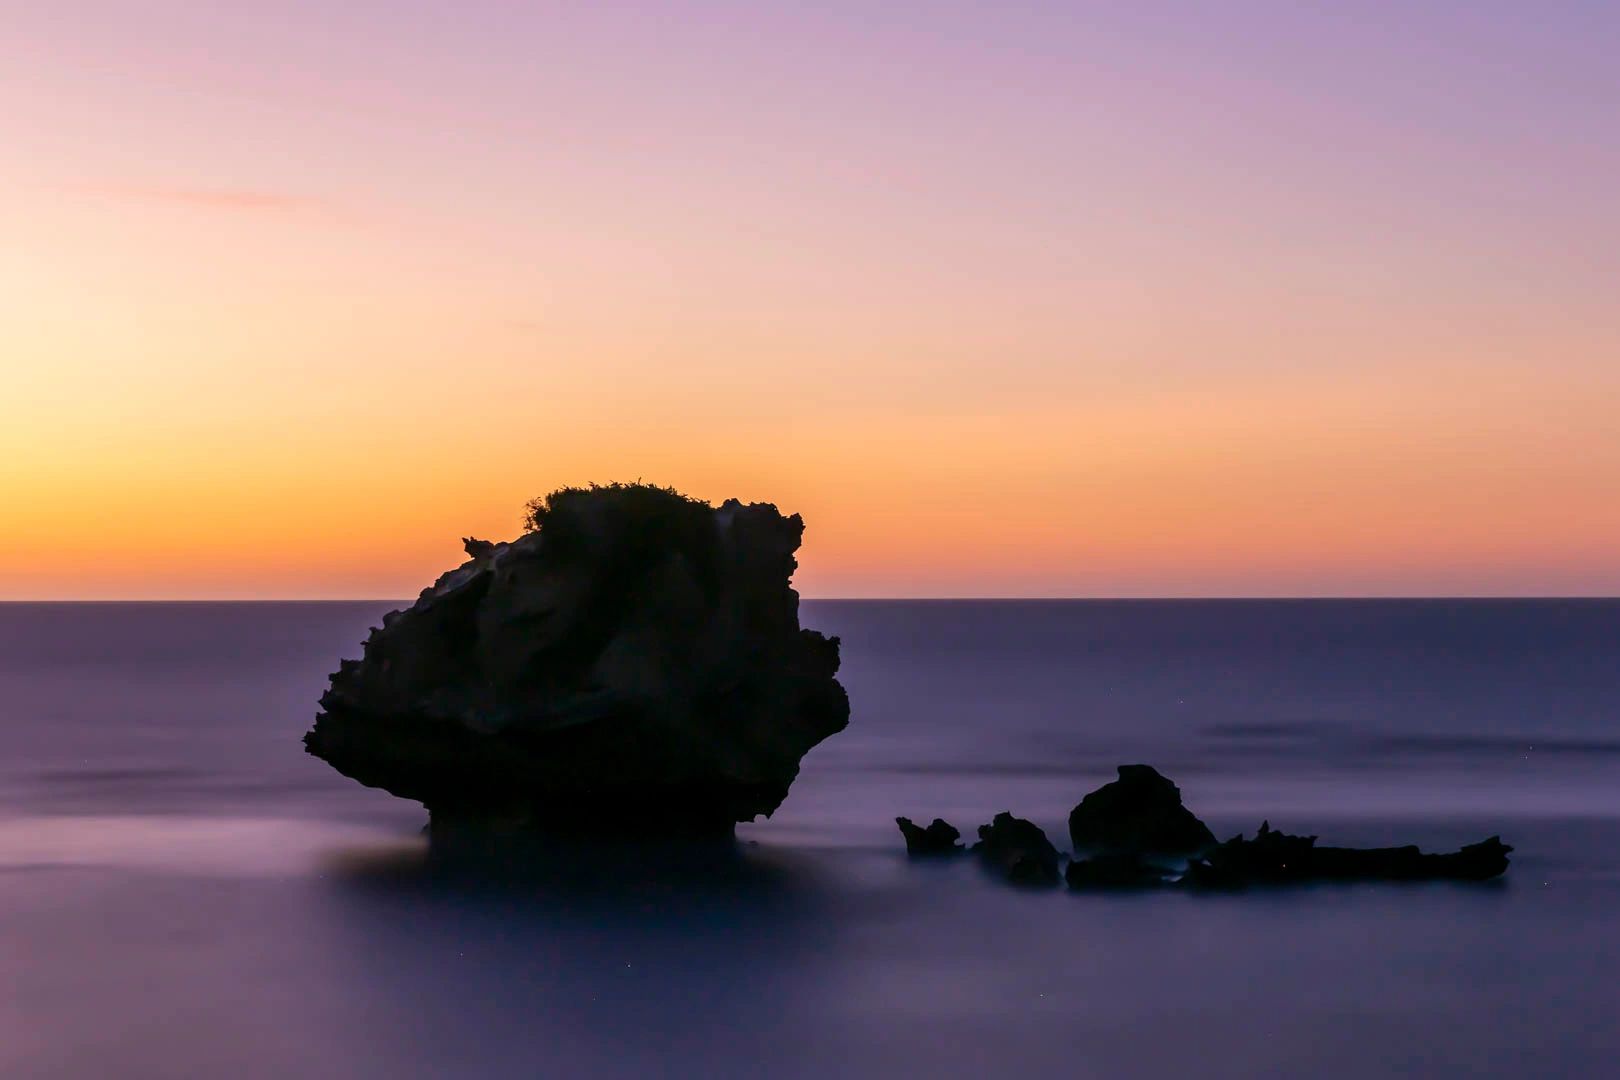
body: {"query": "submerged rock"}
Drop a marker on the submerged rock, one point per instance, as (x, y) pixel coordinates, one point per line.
(634, 663)
(1277, 858)
(940, 838)
(1019, 850)
(1139, 812)
(1116, 871)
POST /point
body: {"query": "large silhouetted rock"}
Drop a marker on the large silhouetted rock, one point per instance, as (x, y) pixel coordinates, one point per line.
(1277, 858)
(940, 838)
(634, 663)
(1140, 812)
(1019, 850)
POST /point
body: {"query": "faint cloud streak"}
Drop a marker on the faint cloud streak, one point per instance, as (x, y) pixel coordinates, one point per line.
(239, 200)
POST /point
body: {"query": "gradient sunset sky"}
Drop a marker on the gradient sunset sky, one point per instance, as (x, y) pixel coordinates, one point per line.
(1013, 299)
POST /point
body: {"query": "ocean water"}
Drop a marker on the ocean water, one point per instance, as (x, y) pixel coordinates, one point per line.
(185, 893)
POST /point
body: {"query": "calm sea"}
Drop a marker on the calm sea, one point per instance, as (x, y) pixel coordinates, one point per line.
(184, 893)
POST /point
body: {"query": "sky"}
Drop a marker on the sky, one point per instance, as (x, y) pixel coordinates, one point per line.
(1021, 299)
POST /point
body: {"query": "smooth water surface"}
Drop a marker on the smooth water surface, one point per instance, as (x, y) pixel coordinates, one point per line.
(183, 892)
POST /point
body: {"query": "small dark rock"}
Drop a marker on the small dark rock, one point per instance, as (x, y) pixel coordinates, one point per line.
(1141, 812)
(1274, 857)
(940, 838)
(1115, 871)
(1019, 850)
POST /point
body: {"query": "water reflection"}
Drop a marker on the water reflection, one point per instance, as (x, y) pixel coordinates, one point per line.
(603, 875)
(595, 958)
(228, 847)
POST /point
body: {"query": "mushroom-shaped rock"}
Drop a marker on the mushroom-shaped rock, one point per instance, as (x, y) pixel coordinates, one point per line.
(939, 838)
(633, 663)
(1140, 812)
(1019, 850)
(1274, 857)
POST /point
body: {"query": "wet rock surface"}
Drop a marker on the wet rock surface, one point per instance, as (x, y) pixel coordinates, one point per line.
(939, 838)
(634, 664)
(1018, 850)
(1139, 812)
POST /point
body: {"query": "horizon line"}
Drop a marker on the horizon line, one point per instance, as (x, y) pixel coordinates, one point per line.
(1292, 598)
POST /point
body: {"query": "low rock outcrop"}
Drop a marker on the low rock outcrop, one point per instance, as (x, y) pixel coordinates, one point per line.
(1274, 858)
(939, 838)
(1019, 850)
(634, 663)
(1141, 812)
(1139, 836)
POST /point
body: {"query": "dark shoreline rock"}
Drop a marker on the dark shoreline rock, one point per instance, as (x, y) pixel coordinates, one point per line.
(632, 665)
(1141, 812)
(939, 838)
(1018, 850)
